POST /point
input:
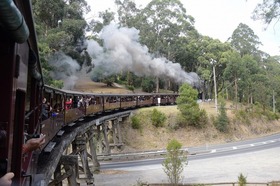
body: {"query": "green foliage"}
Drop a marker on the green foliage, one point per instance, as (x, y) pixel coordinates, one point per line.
(148, 85)
(174, 162)
(242, 180)
(267, 11)
(49, 81)
(243, 116)
(46, 76)
(135, 122)
(222, 121)
(99, 75)
(158, 118)
(162, 24)
(109, 81)
(74, 28)
(57, 40)
(244, 40)
(60, 25)
(271, 115)
(57, 84)
(44, 52)
(130, 87)
(189, 108)
(78, 57)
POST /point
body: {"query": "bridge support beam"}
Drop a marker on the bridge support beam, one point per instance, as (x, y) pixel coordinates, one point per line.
(114, 134)
(99, 140)
(79, 147)
(105, 135)
(92, 146)
(70, 164)
(117, 136)
(119, 130)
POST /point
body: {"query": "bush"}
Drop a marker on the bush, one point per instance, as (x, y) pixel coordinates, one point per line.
(130, 87)
(222, 121)
(243, 116)
(189, 108)
(271, 115)
(135, 122)
(158, 118)
(197, 118)
(148, 85)
(242, 180)
(174, 162)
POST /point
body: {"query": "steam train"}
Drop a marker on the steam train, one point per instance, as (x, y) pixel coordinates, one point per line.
(23, 114)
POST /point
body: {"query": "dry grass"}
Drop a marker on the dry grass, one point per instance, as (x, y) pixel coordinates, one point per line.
(150, 137)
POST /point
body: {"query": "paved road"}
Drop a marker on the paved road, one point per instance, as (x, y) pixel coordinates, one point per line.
(258, 159)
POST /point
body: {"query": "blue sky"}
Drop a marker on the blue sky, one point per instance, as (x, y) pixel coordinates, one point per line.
(218, 19)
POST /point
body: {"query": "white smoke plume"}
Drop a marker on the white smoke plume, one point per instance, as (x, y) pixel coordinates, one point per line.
(65, 69)
(122, 52)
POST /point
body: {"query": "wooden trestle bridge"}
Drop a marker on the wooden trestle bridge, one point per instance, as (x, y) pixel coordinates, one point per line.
(85, 140)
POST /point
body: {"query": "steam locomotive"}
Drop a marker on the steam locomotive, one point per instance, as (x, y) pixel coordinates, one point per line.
(23, 114)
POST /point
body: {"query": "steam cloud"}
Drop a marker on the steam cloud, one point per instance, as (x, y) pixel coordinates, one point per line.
(123, 52)
(66, 69)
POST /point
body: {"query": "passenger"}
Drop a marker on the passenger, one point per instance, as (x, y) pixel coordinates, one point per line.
(88, 101)
(45, 114)
(68, 104)
(30, 145)
(81, 102)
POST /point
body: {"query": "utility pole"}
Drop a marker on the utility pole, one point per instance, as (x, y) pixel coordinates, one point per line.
(215, 87)
(273, 97)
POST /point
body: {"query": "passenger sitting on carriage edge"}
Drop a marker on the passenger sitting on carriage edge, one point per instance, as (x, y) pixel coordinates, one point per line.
(45, 109)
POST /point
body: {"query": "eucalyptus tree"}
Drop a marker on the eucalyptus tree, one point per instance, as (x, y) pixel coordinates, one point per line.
(234, 70)
(64, 18)
(127, 12)
(162, 23)
(244, 40)
(271, 67)
(104, 19)
(60, 27)
(48, 13)
(262, 93)
(210, 54)
(246, 83)
(267, 11)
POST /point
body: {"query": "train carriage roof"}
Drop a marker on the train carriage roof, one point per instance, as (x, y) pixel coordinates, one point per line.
(72, 92)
